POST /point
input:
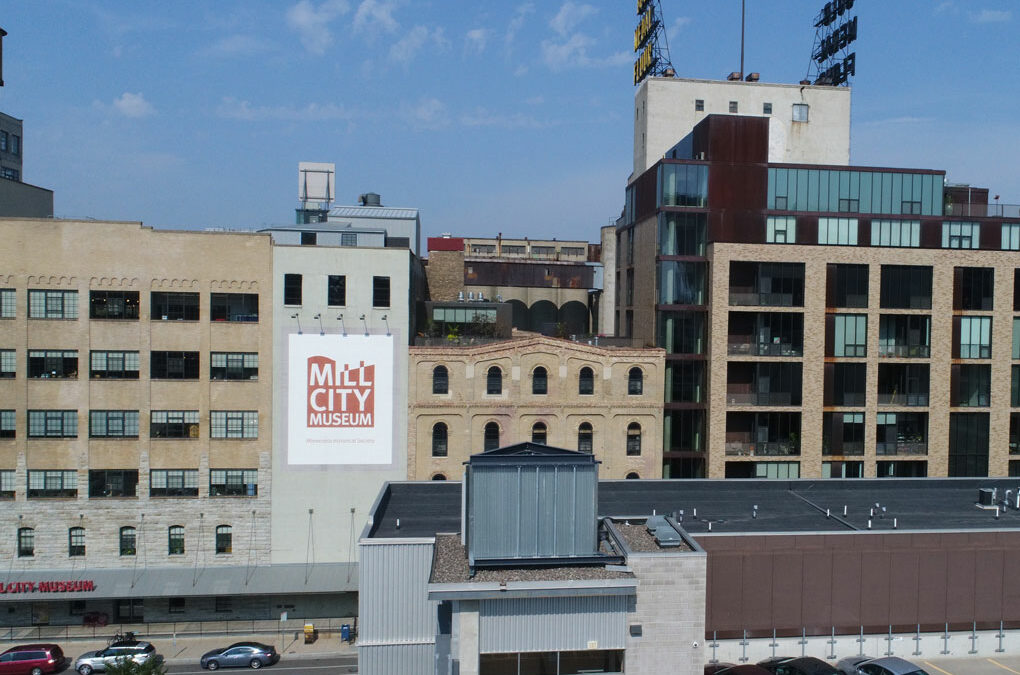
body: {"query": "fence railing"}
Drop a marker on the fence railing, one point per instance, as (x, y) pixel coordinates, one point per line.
(163, 629)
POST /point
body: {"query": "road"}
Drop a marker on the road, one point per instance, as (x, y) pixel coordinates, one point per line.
(997, 665)
(336, 665)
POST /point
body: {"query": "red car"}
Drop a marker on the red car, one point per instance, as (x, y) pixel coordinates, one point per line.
(32, 660)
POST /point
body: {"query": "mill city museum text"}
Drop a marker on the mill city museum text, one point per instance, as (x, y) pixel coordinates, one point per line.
(340, 397)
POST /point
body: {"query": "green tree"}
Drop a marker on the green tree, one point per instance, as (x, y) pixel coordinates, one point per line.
(129, 667)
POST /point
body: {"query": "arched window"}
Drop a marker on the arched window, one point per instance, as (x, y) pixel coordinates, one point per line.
(224, 539)
(128, 541)
(540, 381)
(76, 542)
(26, 542)
(494, 381)
(539, 433)
(632, 476)
(439, 476)
(635, 382)
(491, 439)
(586, 382)
(584, 438)
(440, 380)
(175, 540)
(439, 436)
(633, 439)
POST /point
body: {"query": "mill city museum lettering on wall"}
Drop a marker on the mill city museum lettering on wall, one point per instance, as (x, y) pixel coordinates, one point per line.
(47, 586)
(340, 400)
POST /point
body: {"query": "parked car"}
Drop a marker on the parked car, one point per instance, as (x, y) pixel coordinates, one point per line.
(32, 660)
(239, 655)
(887, 665)
(135, 650)
(804, 665)
(730, 669)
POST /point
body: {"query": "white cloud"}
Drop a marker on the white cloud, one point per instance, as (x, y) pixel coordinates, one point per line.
(678, 24)
(236, 45)
(311, 22)
(232, 108)
(373, 15)
(133, 105)
(569, 16)
(517, 22)
(475, 40)
(944, 6)
(405, 49)
(992, 16)
(535, 100)
(481, 117)
(428, 113)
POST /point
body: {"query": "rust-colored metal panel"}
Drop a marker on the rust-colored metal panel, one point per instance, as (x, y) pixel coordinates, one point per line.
(931, 590)
(1016, 290)
(645, 193)
(846, 584)
(957, 288)
(931, 234)
(1011, 584)
(782, 542)
(758, 594)
(960, 584)
(988, 593)
(787, 589)
(726, 592)
(991, 236)
(807, 229)
(830, 334)
(903, 587)
(828, 392)
(830, 285)
(816, 603)
(956, 337)
(875, 588)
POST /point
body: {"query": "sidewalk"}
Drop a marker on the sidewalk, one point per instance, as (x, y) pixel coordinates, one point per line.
(188, 650)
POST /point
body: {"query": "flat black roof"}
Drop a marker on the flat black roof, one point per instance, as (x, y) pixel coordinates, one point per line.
(425, 508)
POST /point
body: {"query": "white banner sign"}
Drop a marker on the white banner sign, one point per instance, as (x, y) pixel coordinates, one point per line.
(340, 400)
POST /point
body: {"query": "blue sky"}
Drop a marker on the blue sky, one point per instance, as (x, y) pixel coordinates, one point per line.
(510, 117)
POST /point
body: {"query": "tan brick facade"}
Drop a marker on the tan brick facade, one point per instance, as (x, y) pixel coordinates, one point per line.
(467, 408)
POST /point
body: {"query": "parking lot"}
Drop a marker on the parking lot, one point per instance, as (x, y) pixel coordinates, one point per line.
(999, 665)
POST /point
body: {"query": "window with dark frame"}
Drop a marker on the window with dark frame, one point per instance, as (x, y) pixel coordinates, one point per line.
(26, 542)
(968, 444)
(540, 381)
(173, 483)
(585, 438)
(52, 484)
(635, 382)
(8, 364)
(113, 424)
(127, 541)
(233, 424)
(292, 289)
(233, 482)
(380, 291)
(494, 381)
(52, 423)
(440, 380)
(699, 105)
(7, 478)
(586, 382)
(439, 440)
(224, 544)
(113, 304)
(176, 606)
(974, 288)
(766, 108)
(971, 385)
(175, 540)
(849, 285)
(113, 483)
(234, 307)
(173, 424)
(490, 438)
(8, 424)
(733, 107)
(308, 238)
(108, 365)
(52, 304)
(348, 238)
(8, 303)
(76, 542)
(336, 290)
(539, 433)
(633, 439)
(174, 365)
(233, 366)
(906, 287)
(174, 306)
(848, 383)
(54, 363)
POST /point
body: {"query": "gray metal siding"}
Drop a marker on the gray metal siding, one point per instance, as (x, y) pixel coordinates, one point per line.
(549, 624)
(392, 601)
(392, 659)
(532, 511)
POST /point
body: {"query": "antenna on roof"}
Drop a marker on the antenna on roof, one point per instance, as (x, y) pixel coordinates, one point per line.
(654, 58)
(831, 59)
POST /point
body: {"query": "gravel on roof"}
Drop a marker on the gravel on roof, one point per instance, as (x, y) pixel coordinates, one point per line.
(639, 540)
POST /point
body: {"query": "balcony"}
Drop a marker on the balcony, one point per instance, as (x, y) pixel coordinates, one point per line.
(740, 345)
(764, 398)
(983, 210)
(848, 449)
(904, 351)
(905, 400)
(903, 447)
(762, 449)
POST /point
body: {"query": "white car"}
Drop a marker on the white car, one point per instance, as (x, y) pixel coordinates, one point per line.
(135, 650)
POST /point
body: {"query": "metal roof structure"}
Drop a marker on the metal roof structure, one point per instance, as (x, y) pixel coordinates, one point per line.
(373, 212)
(726, 506)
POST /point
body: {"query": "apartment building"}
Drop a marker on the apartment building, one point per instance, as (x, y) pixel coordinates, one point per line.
(601, 400)
(18, 198)
(858, 321)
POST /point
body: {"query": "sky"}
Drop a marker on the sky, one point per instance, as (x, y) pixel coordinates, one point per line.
(510, 117)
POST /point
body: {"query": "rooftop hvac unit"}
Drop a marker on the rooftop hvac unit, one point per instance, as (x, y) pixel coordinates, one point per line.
(986, 496)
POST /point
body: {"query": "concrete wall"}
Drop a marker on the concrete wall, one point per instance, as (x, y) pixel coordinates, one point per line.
(664, 112)
(21, 200)
(607, 302)
(339, 496)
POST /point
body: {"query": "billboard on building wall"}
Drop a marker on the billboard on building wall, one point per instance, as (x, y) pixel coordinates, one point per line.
(340, 399)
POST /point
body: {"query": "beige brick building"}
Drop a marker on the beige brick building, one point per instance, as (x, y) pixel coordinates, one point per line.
(605, 400)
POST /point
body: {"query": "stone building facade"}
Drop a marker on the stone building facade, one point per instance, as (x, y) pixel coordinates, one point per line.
(462, 399)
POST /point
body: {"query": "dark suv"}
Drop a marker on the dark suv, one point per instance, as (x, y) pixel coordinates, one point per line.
(805, 665)
(32, 660)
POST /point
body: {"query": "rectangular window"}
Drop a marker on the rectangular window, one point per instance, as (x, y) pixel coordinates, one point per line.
(15, 144)
(851, 335)
(848, 384)
(176, 606)
(173, 483)
(52, 364)
(906, 287)
(308, 238)
(380, 291)
(8, 303)
(960, 235)
(848, 284)
(699, 104)
(837, 231)
(113, 483)
(678, 185)
(234, 366)
(173, 365)
(237, 307)
(1011, 236)
(903, 384)
(224, 604)
(113, 423)
(902, 233)
(4, 140)
(971, 385)
(901, 434)
(336, 290)
(52, 304)
(733, 107)
(904, 335)
(800, 112)
(975, 337)
(113, 304)
(113, 365)
(777, 470)
(973, 288)
(9, 173)
(8, 363)
(292, 289)
(843, 433)
(8, 424)
(766, 109)
(968, 444)
(233, 424)
(52, 484)
(781, 230)
(173, 424)
(233, 482)
(348, 239)
(1014, 395)
(7, 484)
(1016, 338)
(842, 469)
(52, 423)
(173, 306)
